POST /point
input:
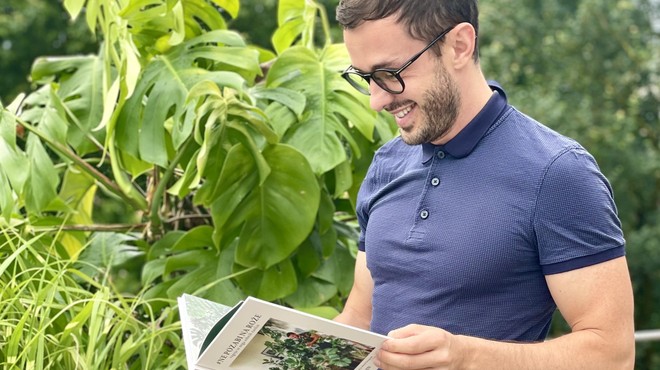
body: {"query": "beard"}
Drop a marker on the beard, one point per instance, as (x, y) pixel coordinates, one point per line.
(439, 111)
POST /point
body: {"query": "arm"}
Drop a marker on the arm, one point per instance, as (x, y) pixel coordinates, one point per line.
(313, 338)
(596, 302)
(357, 311)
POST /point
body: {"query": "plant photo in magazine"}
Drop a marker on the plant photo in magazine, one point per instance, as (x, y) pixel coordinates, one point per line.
(284, 347)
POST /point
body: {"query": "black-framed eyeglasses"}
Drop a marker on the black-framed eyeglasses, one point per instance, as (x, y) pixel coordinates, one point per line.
(389, 79)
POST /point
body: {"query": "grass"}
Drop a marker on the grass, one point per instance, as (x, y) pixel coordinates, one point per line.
(53, 316)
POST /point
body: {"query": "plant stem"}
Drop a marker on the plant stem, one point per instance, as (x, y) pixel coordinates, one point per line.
(325, 23)
(157, 199)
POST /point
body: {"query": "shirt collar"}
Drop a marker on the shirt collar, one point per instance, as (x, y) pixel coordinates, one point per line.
(466, 140)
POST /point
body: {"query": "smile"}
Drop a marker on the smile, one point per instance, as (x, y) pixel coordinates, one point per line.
(403, 112)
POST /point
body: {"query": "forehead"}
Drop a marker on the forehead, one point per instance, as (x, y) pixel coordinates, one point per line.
(378, 43)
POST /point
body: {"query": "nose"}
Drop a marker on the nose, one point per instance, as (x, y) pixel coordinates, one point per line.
(379, 98)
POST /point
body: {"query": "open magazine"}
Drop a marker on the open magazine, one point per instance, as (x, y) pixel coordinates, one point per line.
(256, 334)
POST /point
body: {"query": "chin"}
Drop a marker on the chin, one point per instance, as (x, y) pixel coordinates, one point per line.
(409, 137)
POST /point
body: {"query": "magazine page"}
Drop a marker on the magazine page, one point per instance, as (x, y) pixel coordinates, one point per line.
(263, 335)
(198, 317)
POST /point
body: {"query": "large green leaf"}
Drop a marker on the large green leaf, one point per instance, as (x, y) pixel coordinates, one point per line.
(283, 209)
(81, 95)
(165, 85)
(319, 135)
(273, 218)
(294, 100)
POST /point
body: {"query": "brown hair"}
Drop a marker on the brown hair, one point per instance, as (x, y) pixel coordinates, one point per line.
(424, 19)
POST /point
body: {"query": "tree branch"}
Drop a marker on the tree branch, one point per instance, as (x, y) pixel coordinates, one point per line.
(117, 227)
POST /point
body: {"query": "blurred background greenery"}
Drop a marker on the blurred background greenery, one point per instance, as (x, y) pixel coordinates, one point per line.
(588, 68)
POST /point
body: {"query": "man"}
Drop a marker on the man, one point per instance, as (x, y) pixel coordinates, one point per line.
(477, 222)
(309, 338)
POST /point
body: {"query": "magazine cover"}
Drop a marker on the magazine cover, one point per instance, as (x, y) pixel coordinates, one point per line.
(256, 334)
(198, 317)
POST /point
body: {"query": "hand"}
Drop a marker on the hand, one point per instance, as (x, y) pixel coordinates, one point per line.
(419, 347)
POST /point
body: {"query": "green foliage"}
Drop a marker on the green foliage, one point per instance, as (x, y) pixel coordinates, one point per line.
(233, 162)
(54, 316)
(310, 351)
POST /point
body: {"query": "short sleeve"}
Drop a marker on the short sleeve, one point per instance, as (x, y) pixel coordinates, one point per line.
(575, 219)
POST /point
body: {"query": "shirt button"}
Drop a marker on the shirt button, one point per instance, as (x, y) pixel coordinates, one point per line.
(441, 154)
(435, 181)
(424, 214)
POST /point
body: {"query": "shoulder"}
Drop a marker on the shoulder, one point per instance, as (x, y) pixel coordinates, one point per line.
(526, 133)
(397, 153)
(528, 146)
(392, 149)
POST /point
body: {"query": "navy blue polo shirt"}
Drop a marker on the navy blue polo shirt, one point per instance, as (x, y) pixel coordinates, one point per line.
(461, 236)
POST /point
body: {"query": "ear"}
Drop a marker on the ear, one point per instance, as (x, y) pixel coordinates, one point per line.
(463, 43)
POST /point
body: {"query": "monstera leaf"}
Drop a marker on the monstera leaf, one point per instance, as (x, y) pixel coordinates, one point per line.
(165, 83)
(271, 219)
(80, 95)
(321, 132)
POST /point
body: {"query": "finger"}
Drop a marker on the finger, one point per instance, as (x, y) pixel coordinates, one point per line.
(399, 361)
(416, 340)
(406, 331)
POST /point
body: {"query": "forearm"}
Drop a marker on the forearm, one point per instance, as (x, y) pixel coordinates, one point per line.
(586, 349)
(357, 310)
(353, 318)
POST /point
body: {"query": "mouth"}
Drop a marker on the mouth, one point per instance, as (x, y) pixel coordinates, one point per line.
(402, 112)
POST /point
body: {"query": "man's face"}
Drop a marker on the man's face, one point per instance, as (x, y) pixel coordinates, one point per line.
(430, 103)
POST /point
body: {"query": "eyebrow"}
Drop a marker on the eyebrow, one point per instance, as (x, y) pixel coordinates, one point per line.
(379, 66)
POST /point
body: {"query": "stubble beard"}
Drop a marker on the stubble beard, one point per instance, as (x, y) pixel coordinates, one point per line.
(439, 109)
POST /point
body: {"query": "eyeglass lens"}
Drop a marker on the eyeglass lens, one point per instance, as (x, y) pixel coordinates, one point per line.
(385, 79)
